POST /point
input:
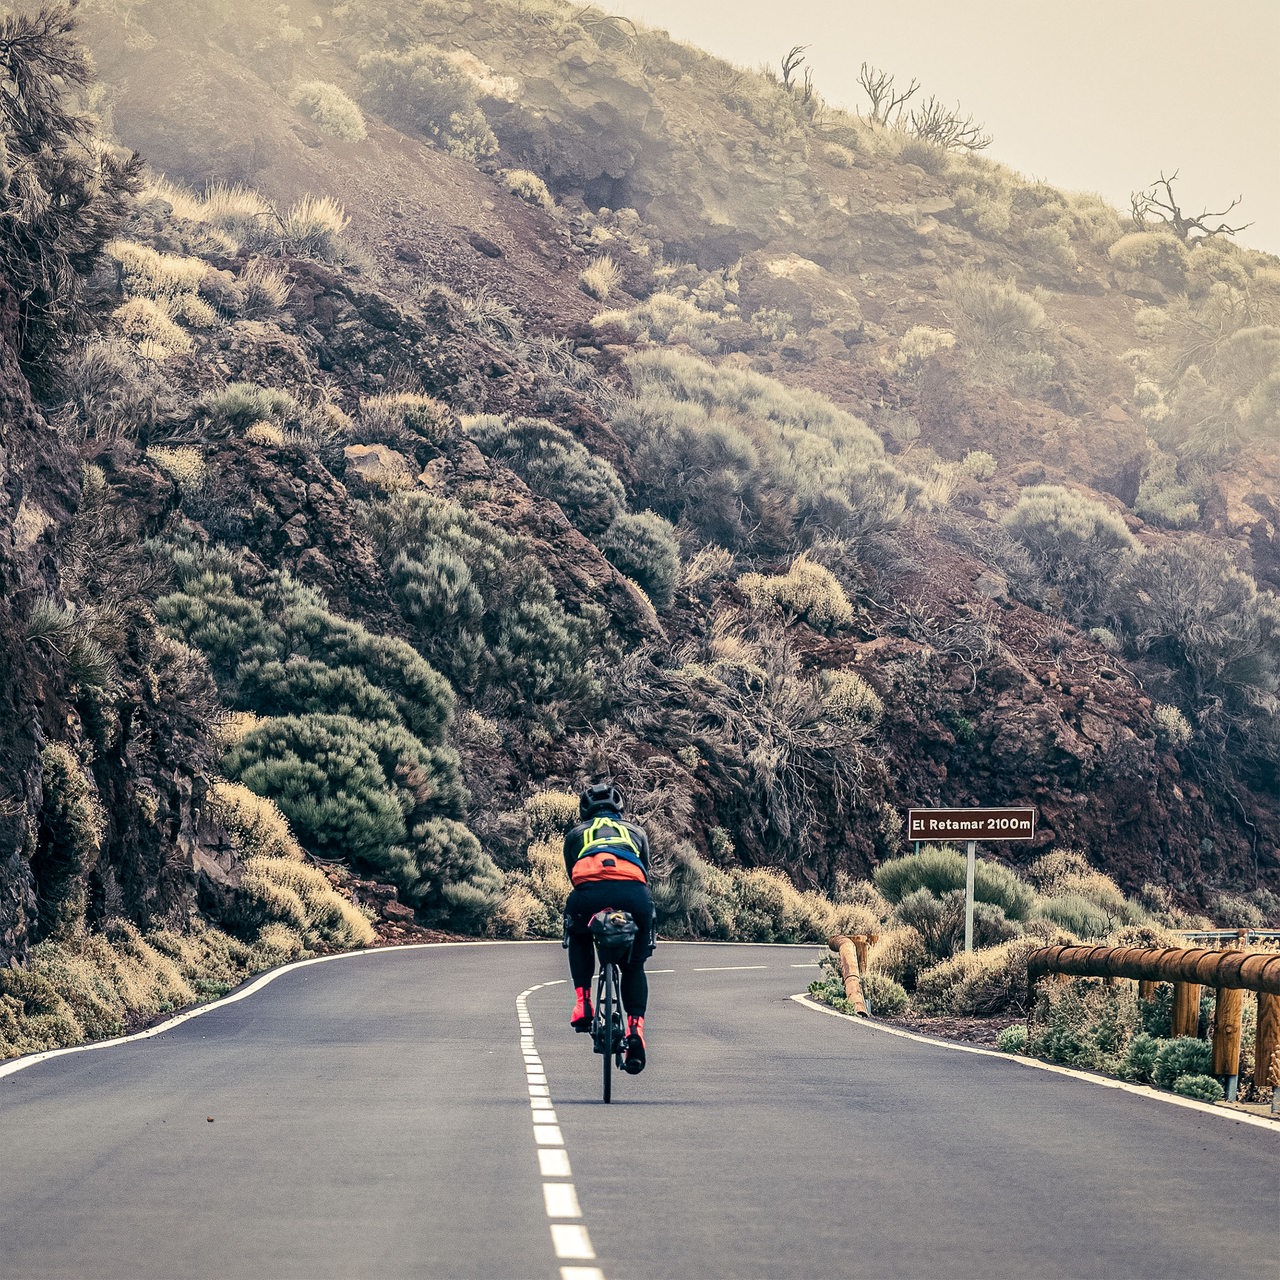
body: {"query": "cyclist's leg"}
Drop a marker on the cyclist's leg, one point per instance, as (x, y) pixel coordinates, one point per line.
(635, 983)
(582, 957)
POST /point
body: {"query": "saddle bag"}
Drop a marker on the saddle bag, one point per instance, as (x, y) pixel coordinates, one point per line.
(613, 932)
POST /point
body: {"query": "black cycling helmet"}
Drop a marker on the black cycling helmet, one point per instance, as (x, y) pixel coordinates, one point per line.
(599, 795)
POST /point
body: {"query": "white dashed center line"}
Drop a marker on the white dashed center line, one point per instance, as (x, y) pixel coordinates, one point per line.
(569, 1239)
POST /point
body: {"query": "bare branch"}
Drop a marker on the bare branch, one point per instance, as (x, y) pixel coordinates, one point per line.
(1158, 201)
(933, 122)
(886, 103)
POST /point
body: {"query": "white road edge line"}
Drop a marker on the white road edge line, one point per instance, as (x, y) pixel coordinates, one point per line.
(251, 987)
(1142, 1090)
(569, 1240)
(729, 968)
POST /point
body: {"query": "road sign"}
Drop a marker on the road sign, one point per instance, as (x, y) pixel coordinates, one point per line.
(971, 824)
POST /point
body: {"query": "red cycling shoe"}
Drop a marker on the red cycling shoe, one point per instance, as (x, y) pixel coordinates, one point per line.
(582, 1014)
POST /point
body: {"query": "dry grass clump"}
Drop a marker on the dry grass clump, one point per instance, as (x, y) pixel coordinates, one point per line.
(806, 590)
(146, 273)
(266, 289)
(900, 953)
(847, 697)
(144, 321)
(529, 187)
(394, 414)
(265, 433)
(918, 345)
(549, 814)
(601, 277)
(184, 465)
(532, 903)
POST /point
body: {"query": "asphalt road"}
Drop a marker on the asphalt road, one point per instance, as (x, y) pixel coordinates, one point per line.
(386, 1116)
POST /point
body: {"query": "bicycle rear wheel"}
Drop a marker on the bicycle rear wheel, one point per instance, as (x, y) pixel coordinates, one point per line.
(610, 996)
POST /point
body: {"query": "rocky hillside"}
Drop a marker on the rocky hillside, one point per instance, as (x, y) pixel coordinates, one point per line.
(466, 398)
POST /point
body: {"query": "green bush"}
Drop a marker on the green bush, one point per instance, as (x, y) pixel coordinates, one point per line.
(456, 880)
(1079, 545)
(240, 404)
(1140, 1058)
(1001, 330)
(1077, 915)
(483, 609)
(942, 868)
(1152, 254)
(331, 110)
(300, 685)
(1012, 1039)
(1206, 1088)
(1185, 1056)
(885, 998)
(423, 90)
(940, 921)
(1083, 1023)
(1189, 605)
(745, 461)
(644, 547)
(552, 463)
(352, 790)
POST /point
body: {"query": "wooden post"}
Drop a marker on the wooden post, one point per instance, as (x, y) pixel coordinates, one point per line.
(860, 941)
(1227, 1006)
(847, 955)
(1268, 1042)
(1146, 990)
(1186, 1009)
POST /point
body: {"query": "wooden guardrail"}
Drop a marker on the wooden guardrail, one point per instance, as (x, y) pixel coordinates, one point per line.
(851, 956)
(1188, 968)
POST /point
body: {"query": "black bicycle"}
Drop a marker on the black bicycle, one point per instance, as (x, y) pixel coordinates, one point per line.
(613, 933)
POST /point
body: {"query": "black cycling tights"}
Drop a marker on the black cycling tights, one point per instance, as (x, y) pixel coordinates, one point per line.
(625, 895)
(582, 965)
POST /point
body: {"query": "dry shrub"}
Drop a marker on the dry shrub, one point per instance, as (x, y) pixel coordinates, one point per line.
(254, 824)
(806, 590)
(301, 896)
(847, 697)
(549, 814)
(978, 983)
(900, 953)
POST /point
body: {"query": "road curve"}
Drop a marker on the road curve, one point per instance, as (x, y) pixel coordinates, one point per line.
(386, 1116)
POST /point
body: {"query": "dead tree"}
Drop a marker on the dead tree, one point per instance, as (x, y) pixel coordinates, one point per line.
(945, 128)
(886, 103)
(1157, 201)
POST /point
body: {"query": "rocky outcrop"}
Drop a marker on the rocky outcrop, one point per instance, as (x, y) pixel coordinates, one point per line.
(38, 488)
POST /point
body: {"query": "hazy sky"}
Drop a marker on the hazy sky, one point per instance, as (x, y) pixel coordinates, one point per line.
(1089, 95)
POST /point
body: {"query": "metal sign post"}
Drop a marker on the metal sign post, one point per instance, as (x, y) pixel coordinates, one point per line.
(970, 825)
(972, 862)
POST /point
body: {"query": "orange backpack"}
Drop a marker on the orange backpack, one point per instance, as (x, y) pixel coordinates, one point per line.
(608, 853)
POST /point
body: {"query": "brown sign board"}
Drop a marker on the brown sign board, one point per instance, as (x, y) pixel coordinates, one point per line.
(935, 825)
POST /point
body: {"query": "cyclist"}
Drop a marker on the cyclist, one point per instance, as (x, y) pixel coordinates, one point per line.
(607, 859)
